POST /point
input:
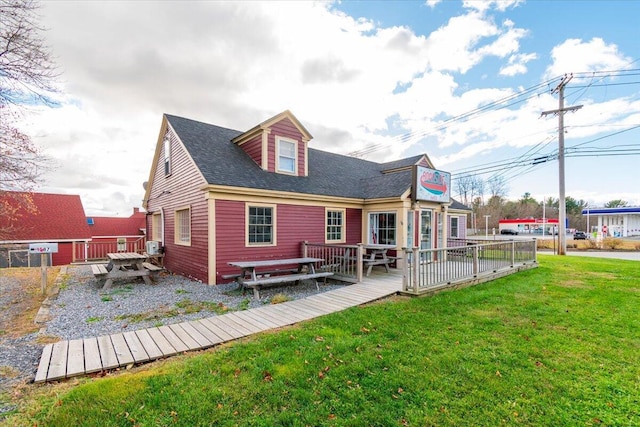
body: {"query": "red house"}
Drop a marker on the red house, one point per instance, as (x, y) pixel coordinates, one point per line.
(113, 234)
(216, 195)
(47, 218)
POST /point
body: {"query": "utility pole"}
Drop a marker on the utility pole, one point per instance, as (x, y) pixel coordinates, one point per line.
(562, 208)
(486, 225)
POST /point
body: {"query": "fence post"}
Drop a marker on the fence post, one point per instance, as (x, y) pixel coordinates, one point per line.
(416, 269)
(405, 269)
(513, 253)
(476, 253)
(359, 266)
(304, 248)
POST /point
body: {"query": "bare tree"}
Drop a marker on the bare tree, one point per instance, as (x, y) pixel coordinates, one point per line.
(497, 187)
(27, 73)
(464, 185)
(27, 77)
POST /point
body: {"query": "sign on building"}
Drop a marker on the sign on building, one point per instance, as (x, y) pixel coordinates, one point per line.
(431, 185)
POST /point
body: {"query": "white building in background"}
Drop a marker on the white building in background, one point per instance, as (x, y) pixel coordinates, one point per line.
(613, 222)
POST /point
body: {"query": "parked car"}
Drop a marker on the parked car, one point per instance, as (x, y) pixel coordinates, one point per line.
(580, 235)
(509, 231)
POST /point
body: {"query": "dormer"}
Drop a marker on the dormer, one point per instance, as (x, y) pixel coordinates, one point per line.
(278, 145)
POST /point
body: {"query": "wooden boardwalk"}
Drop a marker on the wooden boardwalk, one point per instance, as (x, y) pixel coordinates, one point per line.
(66, 359)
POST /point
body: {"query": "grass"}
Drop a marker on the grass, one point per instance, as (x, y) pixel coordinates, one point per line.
(553, 346)
(25, 299)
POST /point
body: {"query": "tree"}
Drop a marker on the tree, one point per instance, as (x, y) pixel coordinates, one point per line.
(27, 77)
(497, 187)
(616, 204)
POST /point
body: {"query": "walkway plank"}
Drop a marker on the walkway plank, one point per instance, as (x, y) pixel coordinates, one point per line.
(122, 350)
(282, 313)
(223, 332)
(228, 324)
(249, 323)
(149, 345)
(107, 353)
(43, 366)
(184, 336)
(77, 357)
(212, 336)
(92, 362)
(200, 340)
(135, 346)
(58, 364)
(173, 339)
(163, 344)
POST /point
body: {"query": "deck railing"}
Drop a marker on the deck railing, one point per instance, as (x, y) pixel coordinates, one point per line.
(463, 262)
(344, 261)
(97, 251)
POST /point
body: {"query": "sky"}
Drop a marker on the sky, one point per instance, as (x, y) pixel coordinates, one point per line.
(464, 82)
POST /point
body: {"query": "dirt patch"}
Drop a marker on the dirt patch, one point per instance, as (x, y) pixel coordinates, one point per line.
(21, 298)
(575, 284)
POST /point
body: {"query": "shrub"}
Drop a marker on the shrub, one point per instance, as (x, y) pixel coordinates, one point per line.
(612, 243)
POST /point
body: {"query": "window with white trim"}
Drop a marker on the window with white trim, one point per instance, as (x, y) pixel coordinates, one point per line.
(453, 227)
(382, 228)
(156, 227)
(287, 155)
(335, 225)
(183, 227)
(260, 225)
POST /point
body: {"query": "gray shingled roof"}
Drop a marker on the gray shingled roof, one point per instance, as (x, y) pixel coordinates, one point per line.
(224, 163)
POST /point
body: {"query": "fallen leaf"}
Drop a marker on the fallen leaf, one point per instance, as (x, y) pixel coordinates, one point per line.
(363, 329)
(498, 374)
(318, 338)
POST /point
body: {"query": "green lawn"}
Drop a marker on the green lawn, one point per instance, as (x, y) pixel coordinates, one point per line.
(554, 346)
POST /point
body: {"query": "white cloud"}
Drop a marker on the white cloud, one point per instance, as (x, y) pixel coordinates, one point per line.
(237, 63)
(574, 55)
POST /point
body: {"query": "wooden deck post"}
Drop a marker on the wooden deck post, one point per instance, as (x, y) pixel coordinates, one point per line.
(359, 262)
(415, 265)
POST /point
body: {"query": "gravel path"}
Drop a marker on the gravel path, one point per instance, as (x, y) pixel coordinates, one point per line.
(82, 309)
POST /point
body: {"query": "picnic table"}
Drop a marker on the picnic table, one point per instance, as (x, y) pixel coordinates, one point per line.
(256, 274)
(377, 255)
(124, 265)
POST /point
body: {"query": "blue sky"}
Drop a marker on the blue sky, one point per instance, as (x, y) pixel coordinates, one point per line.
(380, 79)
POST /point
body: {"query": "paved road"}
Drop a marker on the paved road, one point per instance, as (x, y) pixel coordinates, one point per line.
(633, 256)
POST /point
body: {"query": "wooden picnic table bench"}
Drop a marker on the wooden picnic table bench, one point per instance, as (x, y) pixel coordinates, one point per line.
(124, 265)
(249, 277)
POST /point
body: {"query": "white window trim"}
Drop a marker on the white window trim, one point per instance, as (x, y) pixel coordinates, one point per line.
(176, 227)
(343, 233)
(369, 226)
(457, 219)
(295, 154)
(274, 217)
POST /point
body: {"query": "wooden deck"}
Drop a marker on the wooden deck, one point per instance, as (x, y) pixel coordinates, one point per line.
(66, 359)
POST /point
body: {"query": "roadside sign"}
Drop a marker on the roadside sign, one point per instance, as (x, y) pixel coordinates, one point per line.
(43, 248)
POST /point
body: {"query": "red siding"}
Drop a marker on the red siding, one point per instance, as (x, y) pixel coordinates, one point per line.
(64, 255)
(253, 148)
(179, 190)
(294, 224)
(354, 226)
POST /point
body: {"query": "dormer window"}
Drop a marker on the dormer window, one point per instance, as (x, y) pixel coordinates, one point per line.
(287, 160)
